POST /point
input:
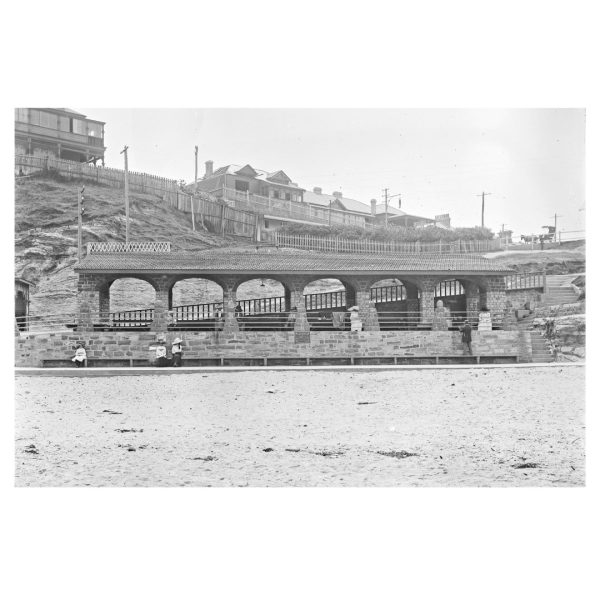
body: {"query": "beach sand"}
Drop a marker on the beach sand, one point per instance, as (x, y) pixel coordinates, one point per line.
(463, 427)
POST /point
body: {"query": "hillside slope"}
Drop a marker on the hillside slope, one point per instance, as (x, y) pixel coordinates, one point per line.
(46, 233)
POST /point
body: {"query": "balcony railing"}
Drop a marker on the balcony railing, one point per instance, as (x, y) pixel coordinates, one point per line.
(277, 207)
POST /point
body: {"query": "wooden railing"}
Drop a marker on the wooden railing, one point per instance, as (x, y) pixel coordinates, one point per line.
(343, 245)
(289, 208)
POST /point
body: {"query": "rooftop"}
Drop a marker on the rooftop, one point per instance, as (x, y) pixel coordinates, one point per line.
(285, 262)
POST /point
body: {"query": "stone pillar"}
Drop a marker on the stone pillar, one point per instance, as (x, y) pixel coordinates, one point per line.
(412, 304)
(296, 291)
(230, 322)
(426, 304)
(87, 302)
(287, 299)
(350, 296)
(104, 293)
(441, 317)
(472, 300)
(509, 322)
(495, 297)
(162, 285)
(366, 308)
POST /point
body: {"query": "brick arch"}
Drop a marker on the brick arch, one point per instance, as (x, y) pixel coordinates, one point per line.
(246, 278)
(187, 295)
(119, 300)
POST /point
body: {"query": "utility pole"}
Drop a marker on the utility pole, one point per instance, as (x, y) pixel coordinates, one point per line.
(386, 199)
(124, 151)
(555, 227)
(195, 182)
(80, 210)
(483, 195)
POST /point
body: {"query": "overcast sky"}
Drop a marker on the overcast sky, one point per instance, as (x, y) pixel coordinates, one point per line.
(532, 161)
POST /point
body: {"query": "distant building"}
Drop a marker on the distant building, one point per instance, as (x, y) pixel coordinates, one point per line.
(237, 182)
(364, 214)
(281, 201)
(59, 133)
(443, 221)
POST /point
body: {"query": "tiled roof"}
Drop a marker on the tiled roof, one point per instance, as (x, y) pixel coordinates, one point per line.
(286, 261)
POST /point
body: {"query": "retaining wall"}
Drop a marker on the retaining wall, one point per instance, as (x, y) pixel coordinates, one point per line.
(31, 350)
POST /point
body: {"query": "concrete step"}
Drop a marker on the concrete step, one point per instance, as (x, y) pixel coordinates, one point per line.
(540, 349)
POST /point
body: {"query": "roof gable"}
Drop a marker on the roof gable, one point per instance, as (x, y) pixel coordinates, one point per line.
(248, 171)
(279, 176)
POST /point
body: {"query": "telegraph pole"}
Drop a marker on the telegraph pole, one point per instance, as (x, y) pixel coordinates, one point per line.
(483, 195)
(80, 209)
(555, 227)
(195, 183)
(386, 199)
(124, 151)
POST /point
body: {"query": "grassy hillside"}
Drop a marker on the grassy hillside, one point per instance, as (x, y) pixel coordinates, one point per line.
(46, 233)
(570, 259)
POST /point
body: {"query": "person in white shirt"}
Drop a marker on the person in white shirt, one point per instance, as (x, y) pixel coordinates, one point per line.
(80, 356)
(176, 352)
(161, 354)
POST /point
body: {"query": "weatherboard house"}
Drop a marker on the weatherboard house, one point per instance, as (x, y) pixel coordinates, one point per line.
(409, 308)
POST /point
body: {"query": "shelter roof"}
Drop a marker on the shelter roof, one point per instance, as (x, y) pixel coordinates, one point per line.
(286, 262)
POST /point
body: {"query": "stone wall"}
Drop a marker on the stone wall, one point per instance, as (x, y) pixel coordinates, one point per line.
(31, 350)
(518, 298)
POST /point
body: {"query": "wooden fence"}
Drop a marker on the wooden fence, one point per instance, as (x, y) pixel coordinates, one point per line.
(215, 216)
(343, 245)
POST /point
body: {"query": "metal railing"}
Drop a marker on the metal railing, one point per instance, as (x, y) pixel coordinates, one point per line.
(121, 247)
(523, 281)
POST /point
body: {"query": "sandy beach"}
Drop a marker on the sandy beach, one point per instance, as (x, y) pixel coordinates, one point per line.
(466, 427)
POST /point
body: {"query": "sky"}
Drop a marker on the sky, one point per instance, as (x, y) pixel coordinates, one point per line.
(531, 162)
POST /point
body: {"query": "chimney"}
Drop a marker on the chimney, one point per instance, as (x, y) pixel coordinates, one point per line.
(317, 190)
(337, 194)
(373, 207)
(209, 168)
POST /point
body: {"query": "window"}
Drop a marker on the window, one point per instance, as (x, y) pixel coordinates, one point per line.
(276, 194)
(242, 186)
(21, 115)
(48, 120)
(79, 126)
(288, 196)
(64, 124)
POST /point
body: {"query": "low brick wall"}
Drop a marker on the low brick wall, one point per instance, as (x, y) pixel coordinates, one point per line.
(31, 350)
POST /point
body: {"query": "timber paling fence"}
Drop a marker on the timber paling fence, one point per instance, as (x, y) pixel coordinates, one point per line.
(343, 245)
(215, 216)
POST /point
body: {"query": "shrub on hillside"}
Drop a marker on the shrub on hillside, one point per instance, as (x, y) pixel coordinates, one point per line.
(397, 234)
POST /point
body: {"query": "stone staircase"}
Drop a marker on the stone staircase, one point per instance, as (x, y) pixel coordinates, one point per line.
(540, 349)
(559, 290)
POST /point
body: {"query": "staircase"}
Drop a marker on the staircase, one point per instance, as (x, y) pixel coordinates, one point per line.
(559, 290)
(540, 349)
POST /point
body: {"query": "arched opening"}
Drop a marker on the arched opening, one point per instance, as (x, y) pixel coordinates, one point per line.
(453, 296)
(127, 302)
(262, 304)
(196, 303)
(21, 310)
(396, 303)
(327, 301)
